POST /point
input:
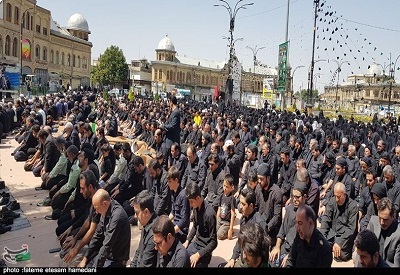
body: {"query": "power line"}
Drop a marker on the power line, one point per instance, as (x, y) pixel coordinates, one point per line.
(376, 27)
(255, 14)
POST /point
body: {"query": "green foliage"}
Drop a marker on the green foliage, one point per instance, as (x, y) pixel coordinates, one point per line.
(105, 95)
(304, 93)
(112, 68)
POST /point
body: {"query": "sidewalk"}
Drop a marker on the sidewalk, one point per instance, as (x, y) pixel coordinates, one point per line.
(40, 236)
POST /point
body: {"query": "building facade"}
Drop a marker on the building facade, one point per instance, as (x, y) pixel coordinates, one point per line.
(203, 78)
(372, 91)
(30, 37)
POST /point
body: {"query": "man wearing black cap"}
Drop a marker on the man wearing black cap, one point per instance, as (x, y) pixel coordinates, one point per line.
(287, 231)
(269, 201)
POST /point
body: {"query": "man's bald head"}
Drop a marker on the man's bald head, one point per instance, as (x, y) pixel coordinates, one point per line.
(101, 202)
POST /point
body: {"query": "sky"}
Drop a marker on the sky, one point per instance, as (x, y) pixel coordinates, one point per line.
(355, 33)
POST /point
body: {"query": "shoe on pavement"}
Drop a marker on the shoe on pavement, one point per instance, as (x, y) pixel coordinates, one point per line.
(4, 228)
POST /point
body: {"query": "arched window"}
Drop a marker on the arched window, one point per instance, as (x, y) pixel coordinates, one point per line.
(84, 62)
(202, 79)
(180, 77)
(188, 77)
(160, 74)
(52, 56)
(37, 52)
(63, 59)
(171, 75)
(16, 15)
(8, 45)
(79, 61)
(15, 47)
(44, 53)
(8, 12)
(73, 60)
(57, 57)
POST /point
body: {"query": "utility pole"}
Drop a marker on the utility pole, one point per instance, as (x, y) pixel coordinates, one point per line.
(284, 92)
(311, 72)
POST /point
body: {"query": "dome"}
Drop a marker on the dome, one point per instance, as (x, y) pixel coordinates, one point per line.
(374, 69)
(78, 22)
(166, 44)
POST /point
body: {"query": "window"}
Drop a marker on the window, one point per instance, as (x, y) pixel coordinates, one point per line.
(167, 75)
(8, 45)
(84, 63)
(69, 60)
(44, 53)
(160, 74)
(57, 57)
(15, 47)
(62, 59)
(16, 16)
(52, 56)
(37, 52)
(207, 80)
(202, 79)
(79, 61)
(73, 60)
(1, 45)
(28, 21)
(37, 28)
(8, 13)
(188, 77)
(44, 31)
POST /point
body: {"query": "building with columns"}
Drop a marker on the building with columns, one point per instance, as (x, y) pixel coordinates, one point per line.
(371, 91)
(30, 37)
(199, 77)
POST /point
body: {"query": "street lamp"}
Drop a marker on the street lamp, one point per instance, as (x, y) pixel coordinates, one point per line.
(255, 51)
(232, 17)
(339, 69)
(291, 98)
(20, 35)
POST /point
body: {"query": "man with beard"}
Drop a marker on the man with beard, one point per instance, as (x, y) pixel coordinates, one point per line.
(287, 231)
(309, 248)
(339, 223)
(195, 170)
(269, 201)
(160, 190)
(71, 247)
(386, 228)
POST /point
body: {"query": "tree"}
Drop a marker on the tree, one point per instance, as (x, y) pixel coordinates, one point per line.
(303, 94)
(112, 68)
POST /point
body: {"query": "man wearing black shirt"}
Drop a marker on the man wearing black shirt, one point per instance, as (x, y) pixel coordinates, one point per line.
(112, 239)
(202, 238)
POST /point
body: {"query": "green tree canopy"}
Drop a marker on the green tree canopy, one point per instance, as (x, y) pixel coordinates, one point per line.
(303, 94)
(112, 68)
